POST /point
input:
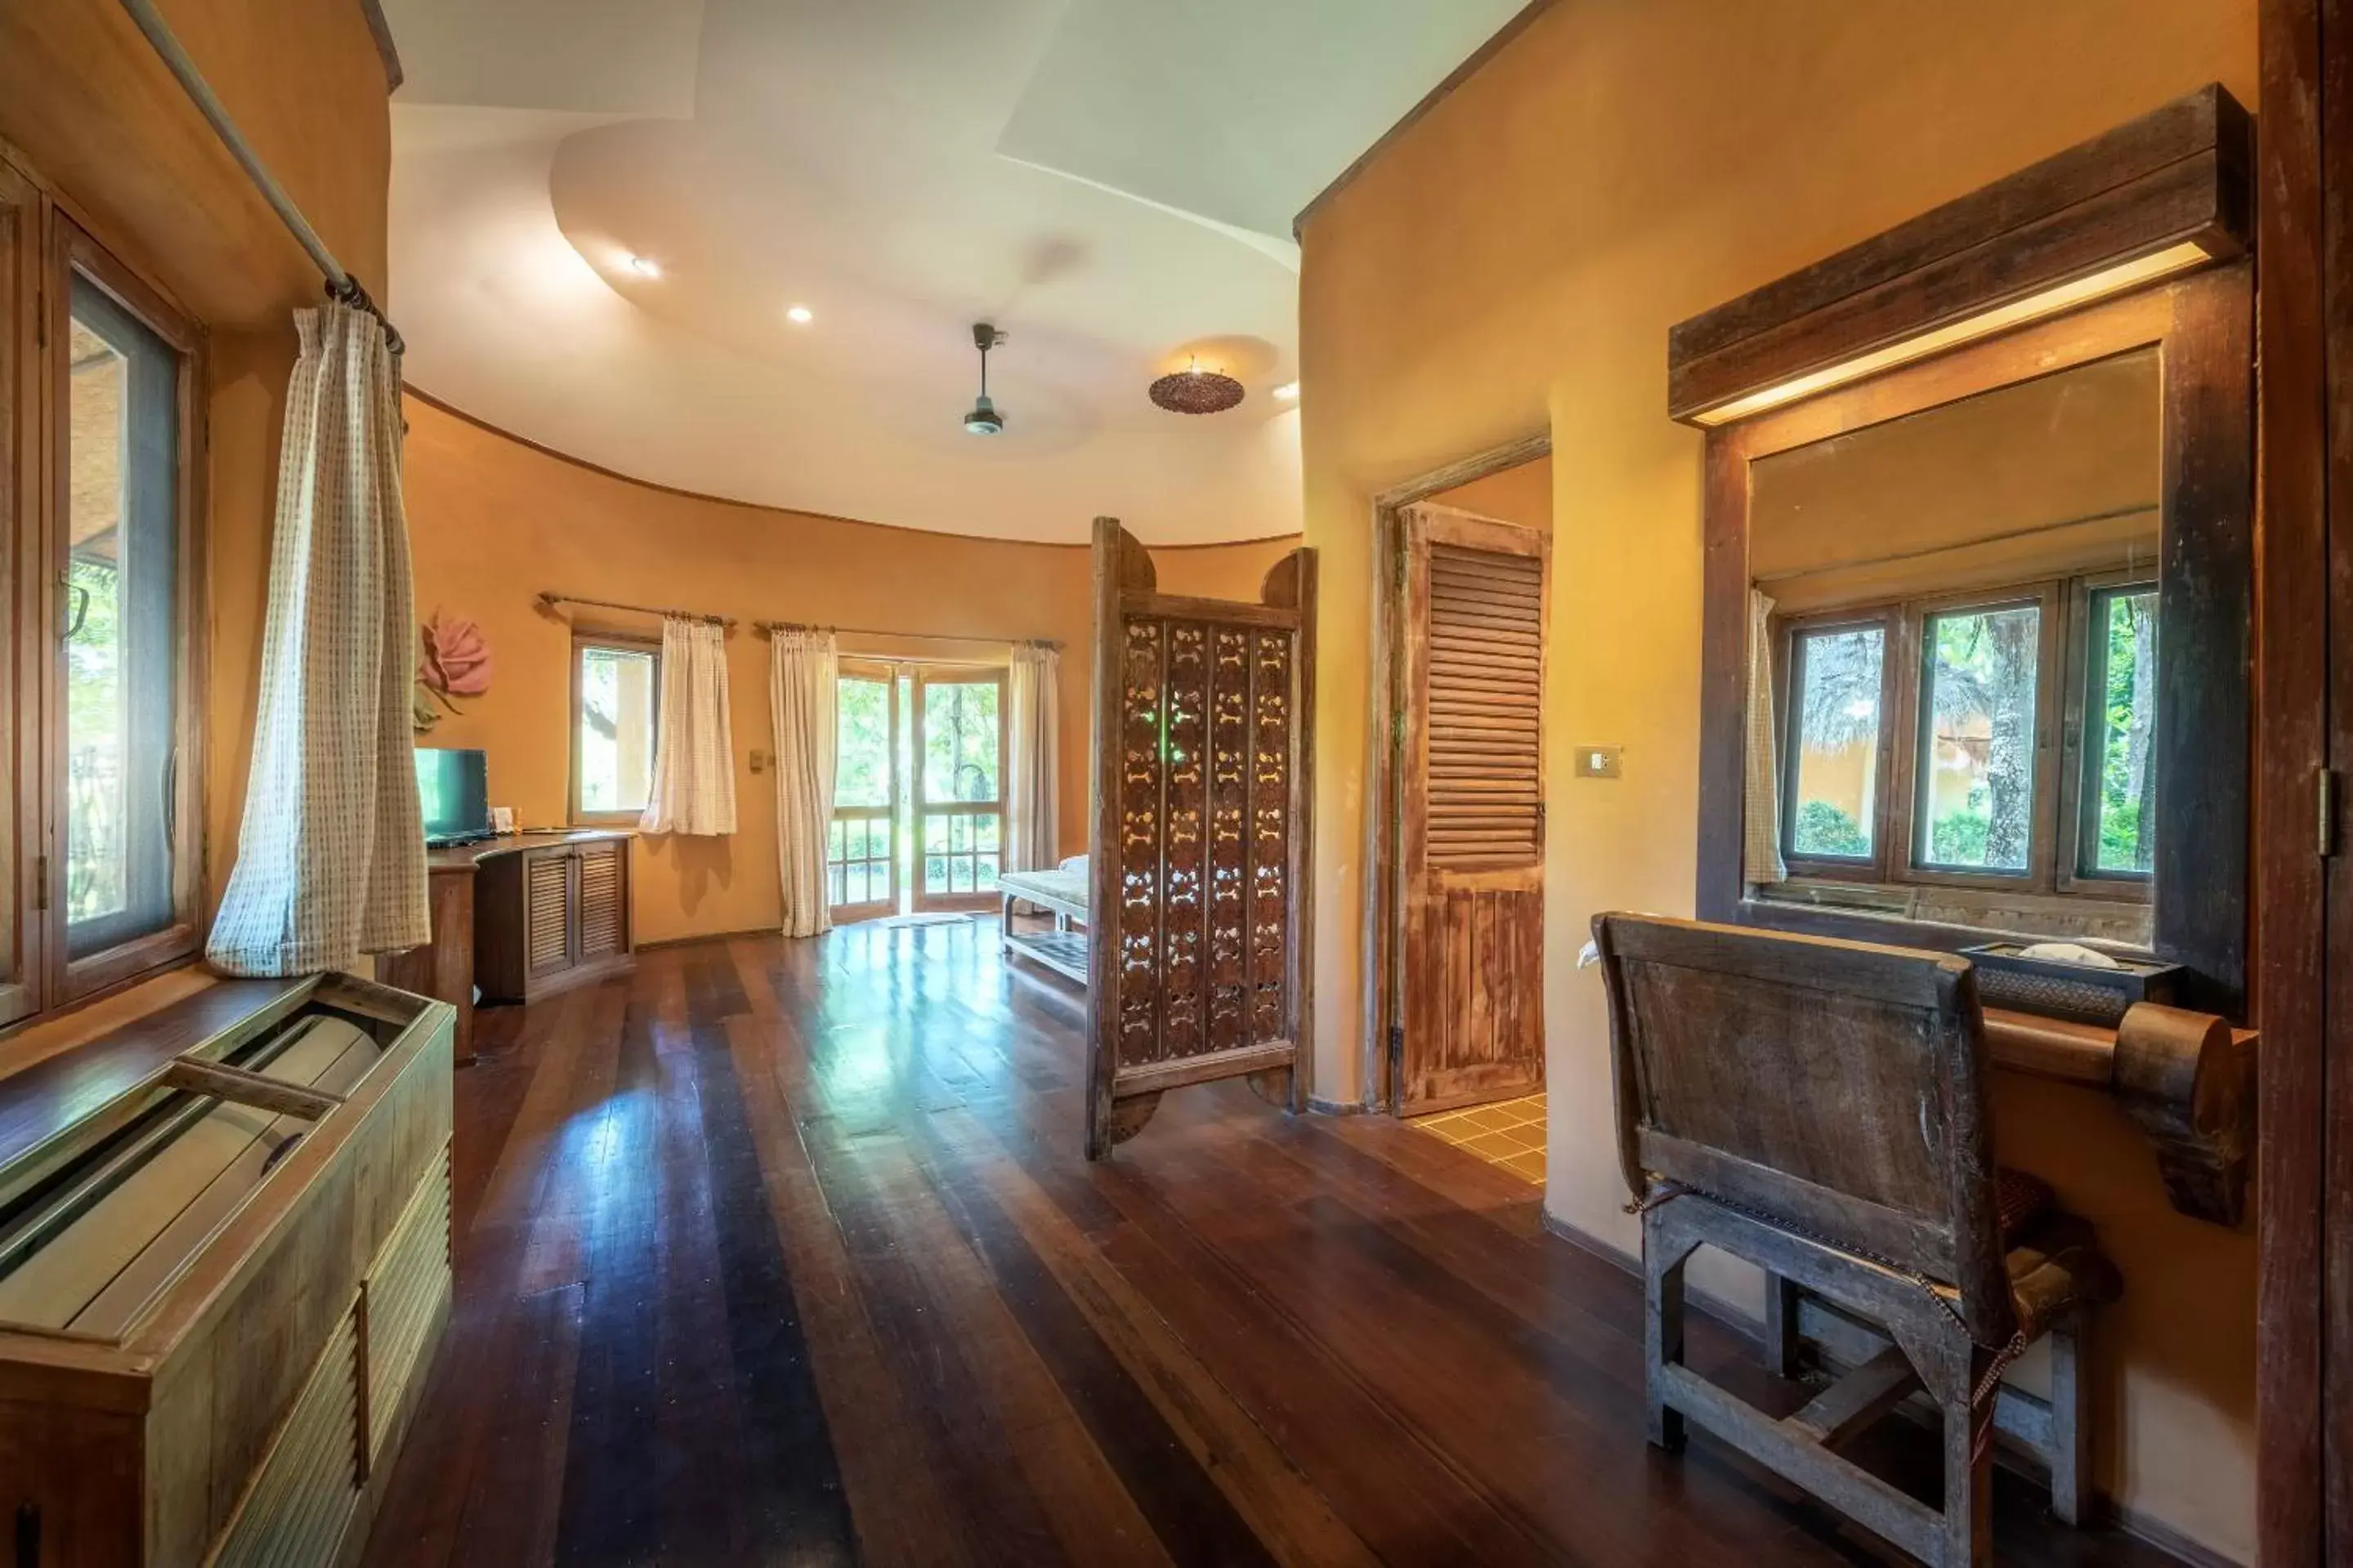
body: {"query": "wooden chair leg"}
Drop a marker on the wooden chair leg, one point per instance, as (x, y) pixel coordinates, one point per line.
(1969, 1476)
(1663, 1334)
(2071, 1434)
(1781, 1326)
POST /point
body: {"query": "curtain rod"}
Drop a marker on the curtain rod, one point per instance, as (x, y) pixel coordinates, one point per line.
(769, 628)
(341, 285)
(552, 600)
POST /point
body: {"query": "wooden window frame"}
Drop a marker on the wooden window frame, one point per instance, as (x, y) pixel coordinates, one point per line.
(2081, 742)
(582, 641)
(1787, 634)
(44, 247)
(2199, 323)
(2063, 719)
(2038, 877)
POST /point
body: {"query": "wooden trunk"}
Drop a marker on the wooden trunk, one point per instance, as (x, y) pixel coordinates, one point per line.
(220, 1287)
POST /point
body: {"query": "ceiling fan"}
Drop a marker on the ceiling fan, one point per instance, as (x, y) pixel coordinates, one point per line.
(984, 420)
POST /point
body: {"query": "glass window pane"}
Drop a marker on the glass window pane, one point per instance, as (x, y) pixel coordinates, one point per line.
(121, 647)
(1834, 784)
(835, 846)
(960, 740)
(985, 830)
(618, 691)
(861, 773)
(1976, 793)
(935, 834)
(987, 872)
(2122, 716)
(837, 884)
(935, 873)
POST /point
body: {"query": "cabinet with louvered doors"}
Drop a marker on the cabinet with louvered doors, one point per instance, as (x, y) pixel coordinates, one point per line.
(551, 912)
(1471, 816)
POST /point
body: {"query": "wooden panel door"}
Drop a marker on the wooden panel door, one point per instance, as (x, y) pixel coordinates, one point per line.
(959, 786)
(602, 899)
(1197, 855)
(1472, 834)
(547, 910)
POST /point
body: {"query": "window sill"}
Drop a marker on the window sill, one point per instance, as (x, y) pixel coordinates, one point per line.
(2122, 923)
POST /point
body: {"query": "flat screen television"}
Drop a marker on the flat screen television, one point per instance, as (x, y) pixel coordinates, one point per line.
(454, 787)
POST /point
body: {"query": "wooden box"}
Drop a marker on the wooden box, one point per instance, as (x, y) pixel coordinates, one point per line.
(221, 1281)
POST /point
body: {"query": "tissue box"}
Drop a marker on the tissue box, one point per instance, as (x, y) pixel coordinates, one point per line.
(2077, 991)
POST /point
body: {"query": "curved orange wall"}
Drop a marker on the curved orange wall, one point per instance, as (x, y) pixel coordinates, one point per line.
(492, 521)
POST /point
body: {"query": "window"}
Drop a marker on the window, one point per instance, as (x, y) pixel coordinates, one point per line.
(100, 565)
(1975, 806)
(1838, 673)
(1999, 741)
(616, 714)
(2115, 834)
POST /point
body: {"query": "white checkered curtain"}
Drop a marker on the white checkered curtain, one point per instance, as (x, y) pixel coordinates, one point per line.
(1761, 810)
(1032, 700)
(331, 858)
(694, 746)
(803, 677)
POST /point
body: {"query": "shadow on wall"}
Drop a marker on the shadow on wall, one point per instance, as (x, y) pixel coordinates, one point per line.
(703, 869)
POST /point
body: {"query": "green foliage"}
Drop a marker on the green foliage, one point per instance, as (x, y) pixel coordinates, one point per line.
(96, 869)
(2124, 761)
(1823, 829)
(861, 773)
(1958, 837)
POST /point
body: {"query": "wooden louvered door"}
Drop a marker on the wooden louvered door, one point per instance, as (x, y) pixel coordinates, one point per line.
(602, 896)
(547, 910)
(1470, 851)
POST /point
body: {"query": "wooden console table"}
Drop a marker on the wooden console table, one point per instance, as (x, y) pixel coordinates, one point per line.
(519, 916)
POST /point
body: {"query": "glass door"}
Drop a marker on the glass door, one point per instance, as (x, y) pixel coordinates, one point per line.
(861, 848)
(959, 778)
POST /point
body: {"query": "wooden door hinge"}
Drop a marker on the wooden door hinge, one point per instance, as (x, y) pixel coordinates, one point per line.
(2325, 822)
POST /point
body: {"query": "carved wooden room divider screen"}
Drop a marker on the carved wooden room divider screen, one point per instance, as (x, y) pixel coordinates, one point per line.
(1199, 851)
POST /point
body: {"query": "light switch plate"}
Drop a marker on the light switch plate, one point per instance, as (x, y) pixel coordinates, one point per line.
(1596, 761)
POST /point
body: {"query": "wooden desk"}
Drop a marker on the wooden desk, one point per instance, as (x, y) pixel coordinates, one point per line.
(484, 897)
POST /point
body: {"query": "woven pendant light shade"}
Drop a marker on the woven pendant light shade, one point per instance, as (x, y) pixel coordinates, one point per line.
(1196, 391)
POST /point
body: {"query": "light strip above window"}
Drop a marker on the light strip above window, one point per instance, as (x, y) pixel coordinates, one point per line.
(2055, 300)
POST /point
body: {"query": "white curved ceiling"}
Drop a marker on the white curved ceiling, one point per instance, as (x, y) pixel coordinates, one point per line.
(1109, 182)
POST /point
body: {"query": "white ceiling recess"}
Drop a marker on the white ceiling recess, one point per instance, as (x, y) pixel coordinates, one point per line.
(1111, 181)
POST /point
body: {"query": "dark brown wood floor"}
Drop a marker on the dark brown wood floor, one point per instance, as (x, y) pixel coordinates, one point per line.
(778, 1252)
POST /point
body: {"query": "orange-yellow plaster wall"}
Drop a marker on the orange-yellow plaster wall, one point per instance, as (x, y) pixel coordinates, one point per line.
(494, 522)
(1509, 265)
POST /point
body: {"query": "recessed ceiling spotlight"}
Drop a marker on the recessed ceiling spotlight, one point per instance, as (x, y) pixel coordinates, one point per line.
(1286, 392)
(799, 315)
(645, 266)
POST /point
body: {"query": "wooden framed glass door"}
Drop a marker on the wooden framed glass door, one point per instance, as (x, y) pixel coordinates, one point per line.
(862, 851)
(959, 786)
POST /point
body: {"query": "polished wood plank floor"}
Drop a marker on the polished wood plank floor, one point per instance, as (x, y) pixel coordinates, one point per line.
(784, 1252)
